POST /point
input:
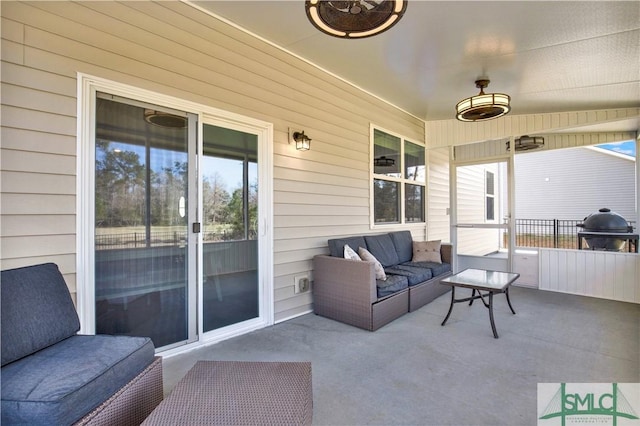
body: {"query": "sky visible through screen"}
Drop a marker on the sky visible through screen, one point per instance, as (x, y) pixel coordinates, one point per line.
(626, 148)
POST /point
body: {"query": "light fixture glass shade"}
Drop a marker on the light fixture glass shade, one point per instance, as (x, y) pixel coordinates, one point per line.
(303, 142)
(483, 106)
(354, 19)
(303, 145)
(164, 119)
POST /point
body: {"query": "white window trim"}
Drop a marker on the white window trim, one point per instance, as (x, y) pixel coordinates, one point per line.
(87, 87)
(402, 180)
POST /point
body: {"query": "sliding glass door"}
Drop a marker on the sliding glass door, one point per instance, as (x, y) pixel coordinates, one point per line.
(229, 170)
(142, 235)
(176, 227)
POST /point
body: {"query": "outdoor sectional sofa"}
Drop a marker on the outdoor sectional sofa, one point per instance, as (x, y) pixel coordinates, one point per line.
(348, 291)
(53, 376)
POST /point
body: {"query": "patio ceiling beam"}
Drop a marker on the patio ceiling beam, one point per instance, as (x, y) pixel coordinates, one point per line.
(453, 132)
(498, 148)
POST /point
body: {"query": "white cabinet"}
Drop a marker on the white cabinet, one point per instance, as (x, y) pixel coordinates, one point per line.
(526, 264)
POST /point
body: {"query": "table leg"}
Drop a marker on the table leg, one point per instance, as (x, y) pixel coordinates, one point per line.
(473, 293)
(493, 325)
(453, 297)
(506, 292)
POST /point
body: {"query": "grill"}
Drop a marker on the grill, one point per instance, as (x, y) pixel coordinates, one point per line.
(606, 230)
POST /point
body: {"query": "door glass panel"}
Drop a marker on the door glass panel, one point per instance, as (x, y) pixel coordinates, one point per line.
(141, 226)
(483, 242)
(230, 245)
(482, 210)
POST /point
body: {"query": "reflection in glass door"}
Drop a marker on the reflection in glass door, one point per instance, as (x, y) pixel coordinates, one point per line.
(230, 230)
(142, 256)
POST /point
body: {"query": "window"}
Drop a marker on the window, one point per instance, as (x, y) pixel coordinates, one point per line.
(399, 179)
(490, 196)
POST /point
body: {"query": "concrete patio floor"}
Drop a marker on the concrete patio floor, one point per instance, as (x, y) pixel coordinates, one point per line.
(416, 372)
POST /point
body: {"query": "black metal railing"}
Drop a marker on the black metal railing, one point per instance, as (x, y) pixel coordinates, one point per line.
(159, 239)
(139, 239)
(549, 233)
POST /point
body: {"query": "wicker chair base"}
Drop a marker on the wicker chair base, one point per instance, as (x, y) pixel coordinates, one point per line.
(385, 311)
(131, 404)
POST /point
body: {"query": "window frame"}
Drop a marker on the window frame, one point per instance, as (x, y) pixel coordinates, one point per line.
(489, 196)
(402, 181)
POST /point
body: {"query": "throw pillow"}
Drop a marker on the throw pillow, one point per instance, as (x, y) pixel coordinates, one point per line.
(426, 251)
(350, 253)
(366, 255)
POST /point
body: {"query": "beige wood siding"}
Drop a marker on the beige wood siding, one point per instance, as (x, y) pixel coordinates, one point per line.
(438, 201)
(480, 151)
(177, 50)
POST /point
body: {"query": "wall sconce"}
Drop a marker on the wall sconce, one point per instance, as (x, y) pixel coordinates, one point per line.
(303, 142)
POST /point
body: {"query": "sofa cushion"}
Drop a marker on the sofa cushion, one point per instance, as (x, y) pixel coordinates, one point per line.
(349, 253)
(436, 268)
(392, 284)
(403, 242)
(381, 246)
(426, 251)
(336, 245)
(62, 383)
(36, 310)
(365, 255)
(415, 274)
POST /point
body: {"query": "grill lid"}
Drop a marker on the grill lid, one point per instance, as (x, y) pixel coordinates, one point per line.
(604, 220)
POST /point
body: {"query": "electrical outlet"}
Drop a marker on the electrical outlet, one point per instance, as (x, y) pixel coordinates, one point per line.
(304, 285)
(301, 284)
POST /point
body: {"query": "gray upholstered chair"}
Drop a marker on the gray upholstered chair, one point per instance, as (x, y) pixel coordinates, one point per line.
(52, 375)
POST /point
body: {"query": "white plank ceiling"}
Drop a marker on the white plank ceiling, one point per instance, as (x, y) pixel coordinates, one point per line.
(548, 56)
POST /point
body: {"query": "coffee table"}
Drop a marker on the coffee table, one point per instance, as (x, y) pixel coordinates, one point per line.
(239, 393)
(479, 280)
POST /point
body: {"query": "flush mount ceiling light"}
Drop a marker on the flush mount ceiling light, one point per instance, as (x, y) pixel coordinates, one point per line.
(354, 19)
(164, 119)
(526, 143)
(483, 106)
